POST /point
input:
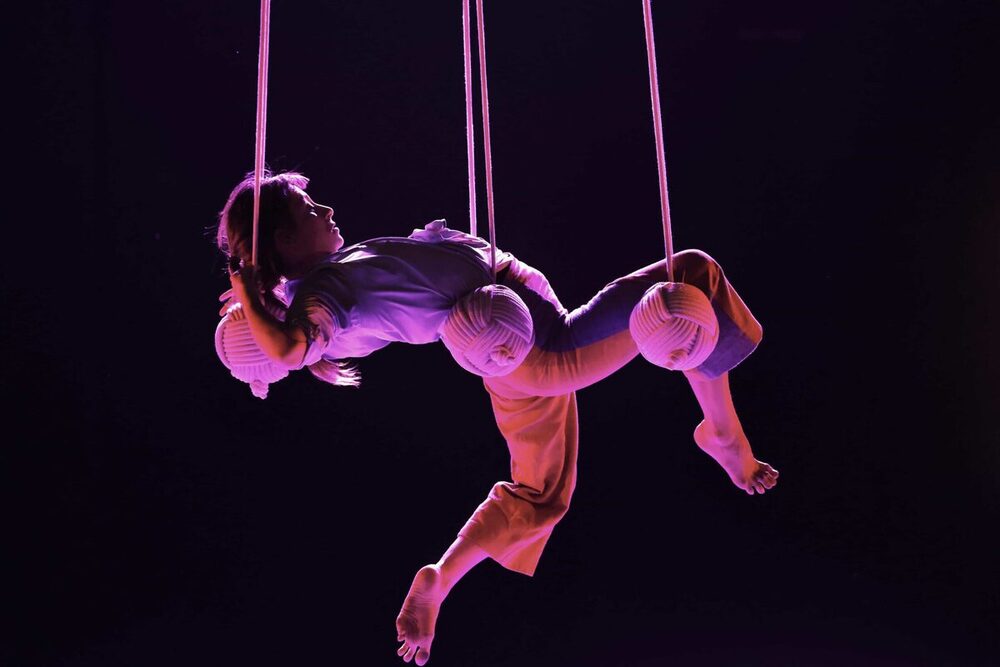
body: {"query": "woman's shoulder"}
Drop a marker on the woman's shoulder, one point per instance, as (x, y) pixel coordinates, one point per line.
(323, 276)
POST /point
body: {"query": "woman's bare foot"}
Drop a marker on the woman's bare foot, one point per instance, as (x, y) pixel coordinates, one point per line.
(733, 453)
(415, 623)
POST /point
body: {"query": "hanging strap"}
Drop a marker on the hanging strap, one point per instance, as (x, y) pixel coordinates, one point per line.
(485, 96)
(258, 165)
(661, 161)
(470, 130)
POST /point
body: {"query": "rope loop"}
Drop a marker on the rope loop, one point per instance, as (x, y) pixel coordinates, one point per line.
(661, 160)
(261, 131)
(484, 94)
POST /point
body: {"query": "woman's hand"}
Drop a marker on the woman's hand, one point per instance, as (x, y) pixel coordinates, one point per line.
(245, 287)
(234, 311)
(283, 345)
(245, 284)
(227, 301)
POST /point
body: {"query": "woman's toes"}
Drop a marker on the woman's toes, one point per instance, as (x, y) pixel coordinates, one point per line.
(423, 655)
(409, 654)
(403, 649)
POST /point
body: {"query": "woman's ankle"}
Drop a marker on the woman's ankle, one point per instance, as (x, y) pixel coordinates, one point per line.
(721, 432)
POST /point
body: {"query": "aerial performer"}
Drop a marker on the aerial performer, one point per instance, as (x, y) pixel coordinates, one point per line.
(301, 298)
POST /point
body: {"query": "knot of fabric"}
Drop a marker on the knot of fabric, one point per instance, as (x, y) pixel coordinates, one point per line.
(489, 331)
(433, 232)
(240, 353)
(674, 326)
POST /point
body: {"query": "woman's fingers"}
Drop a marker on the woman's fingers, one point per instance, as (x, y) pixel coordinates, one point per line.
(243, 278)
(232, 308)
(246, 272)
(228, 305)
(235, 312)
(240, 282)
(227, 300)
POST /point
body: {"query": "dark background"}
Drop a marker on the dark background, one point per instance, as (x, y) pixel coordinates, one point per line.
(838, 160)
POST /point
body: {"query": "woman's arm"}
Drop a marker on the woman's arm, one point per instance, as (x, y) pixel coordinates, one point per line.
(283, 344)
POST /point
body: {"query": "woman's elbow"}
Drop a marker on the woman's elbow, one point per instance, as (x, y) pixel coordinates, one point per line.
(285, 351)
(292, 355)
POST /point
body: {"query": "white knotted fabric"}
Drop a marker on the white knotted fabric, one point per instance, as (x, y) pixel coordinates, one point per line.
(673, 324)
(489, 331)
(243, 357)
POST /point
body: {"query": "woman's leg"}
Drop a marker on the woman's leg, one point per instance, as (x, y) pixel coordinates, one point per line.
(513, 524)
(573, 350)
(416, 620)
(721, 435)
(576, 349)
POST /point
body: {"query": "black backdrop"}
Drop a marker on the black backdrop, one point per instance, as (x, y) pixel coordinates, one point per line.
(839, 161)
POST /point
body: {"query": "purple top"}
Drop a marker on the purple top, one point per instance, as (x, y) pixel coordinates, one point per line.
(385, 290)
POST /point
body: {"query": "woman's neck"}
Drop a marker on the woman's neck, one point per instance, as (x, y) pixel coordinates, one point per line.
(303, 265)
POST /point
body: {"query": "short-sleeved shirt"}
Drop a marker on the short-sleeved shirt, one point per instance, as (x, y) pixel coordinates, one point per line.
(385, 290)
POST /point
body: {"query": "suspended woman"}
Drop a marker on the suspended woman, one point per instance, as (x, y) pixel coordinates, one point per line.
(310, 302)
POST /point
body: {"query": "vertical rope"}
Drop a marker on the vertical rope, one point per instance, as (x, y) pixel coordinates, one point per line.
(485, 95)
(661, 161)
(470, 141)
(258, 166)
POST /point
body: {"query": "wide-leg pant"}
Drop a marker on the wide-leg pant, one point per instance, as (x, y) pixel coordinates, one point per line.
(535, 406)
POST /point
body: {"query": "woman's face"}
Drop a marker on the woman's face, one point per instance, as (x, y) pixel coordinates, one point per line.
(315, 231)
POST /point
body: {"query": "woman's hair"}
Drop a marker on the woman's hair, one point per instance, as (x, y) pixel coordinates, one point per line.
(235, 232)
(234, 238)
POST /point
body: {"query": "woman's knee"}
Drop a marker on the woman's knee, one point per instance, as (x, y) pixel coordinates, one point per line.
(694, 259)
(698, 268)
(689, 266)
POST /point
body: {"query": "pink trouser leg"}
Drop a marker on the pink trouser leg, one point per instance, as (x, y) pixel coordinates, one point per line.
(513, 524)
